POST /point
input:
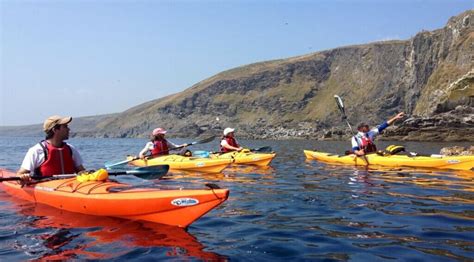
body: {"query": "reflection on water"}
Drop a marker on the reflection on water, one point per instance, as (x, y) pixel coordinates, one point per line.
(295, 209)
(62, 235)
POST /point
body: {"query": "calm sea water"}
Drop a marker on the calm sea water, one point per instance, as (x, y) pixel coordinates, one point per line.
(296, 209)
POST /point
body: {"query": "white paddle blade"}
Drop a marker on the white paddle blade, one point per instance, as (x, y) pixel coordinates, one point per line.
(339, 101)
(340, 105)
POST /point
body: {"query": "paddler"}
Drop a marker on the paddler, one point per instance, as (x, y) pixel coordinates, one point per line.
(158, 145)
(228, 142)
(51, 156)
(363, 141)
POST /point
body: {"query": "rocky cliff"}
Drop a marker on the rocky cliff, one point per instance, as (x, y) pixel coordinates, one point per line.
(429, 76)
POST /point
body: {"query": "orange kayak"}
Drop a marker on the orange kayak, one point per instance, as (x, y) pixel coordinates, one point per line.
(170, 207)
(109, 230)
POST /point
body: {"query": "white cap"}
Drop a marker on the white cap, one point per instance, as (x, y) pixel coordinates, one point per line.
(228, 130)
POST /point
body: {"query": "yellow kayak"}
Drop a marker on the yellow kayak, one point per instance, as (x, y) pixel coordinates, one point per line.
(435, 161)
(177, 162)
(245, 157)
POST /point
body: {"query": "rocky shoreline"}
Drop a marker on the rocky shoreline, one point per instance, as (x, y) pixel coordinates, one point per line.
(453, 126)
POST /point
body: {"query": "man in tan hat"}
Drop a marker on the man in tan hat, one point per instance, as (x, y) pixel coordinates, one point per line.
(52, 156)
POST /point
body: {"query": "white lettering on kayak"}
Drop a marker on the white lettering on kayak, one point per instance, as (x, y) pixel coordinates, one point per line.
(183, 202)
(200, 164)
(44, 188)
(453, 161)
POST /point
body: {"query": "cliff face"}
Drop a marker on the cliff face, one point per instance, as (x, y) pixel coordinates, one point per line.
(425, 76)
(428, 76)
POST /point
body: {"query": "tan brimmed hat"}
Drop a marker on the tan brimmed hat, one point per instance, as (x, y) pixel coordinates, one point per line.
(52, 121)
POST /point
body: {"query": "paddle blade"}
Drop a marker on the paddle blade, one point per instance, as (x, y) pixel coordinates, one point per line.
(340, 104)
(149, 172)
(203, 141)
(264, 149)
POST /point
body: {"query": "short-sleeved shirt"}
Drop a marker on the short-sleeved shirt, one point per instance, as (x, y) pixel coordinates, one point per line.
(35, 157)
(371, 135)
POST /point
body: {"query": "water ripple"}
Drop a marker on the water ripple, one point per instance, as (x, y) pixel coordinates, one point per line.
(296, 209)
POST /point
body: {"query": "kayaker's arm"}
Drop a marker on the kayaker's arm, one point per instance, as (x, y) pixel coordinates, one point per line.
(226, 145)
(377, 130)
(145, 150)
(355, 146)
(395, 118)
(172, 145)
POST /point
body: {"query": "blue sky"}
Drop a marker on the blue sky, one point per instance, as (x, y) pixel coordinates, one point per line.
(88, 57)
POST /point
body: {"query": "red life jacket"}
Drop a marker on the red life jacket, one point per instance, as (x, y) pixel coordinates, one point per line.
(160, 148)
(57, 160)
(367, 144)
(231, 141)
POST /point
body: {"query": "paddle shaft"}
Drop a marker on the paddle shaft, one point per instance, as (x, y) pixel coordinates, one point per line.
(202, 141)
(152, 171)
(340, 105)
(258, 149)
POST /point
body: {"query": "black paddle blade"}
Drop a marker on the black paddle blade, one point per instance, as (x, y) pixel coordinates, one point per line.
(264, 149)
(150, 172)
(205, 140)
(146, 172)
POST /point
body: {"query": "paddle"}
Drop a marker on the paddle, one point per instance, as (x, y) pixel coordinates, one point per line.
(202, 141)
(340, 105)
(263, 149)
(147, 172)
(205, 154)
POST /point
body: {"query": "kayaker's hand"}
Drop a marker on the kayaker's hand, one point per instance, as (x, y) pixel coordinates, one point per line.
(395, 118)
(25, 177)
(400, 115)
(240, 149)
(360, 152)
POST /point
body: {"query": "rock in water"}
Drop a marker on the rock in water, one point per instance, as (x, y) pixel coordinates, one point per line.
(457, 151)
